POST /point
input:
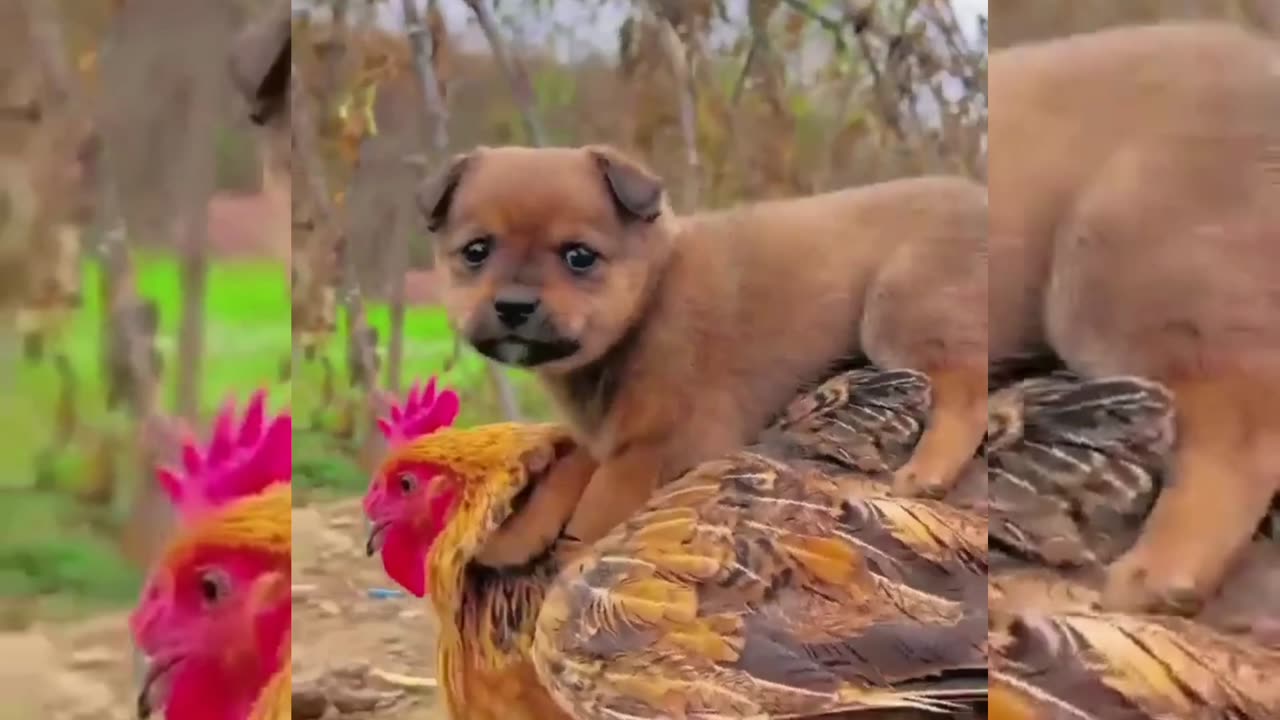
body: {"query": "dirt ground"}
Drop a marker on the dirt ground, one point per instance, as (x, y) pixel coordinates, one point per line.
(358, 650)
(75, 671)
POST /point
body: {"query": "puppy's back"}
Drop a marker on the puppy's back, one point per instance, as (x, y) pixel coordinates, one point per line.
(1205, 93)
(782, 284)
(1063, 105)
(852, 226)
(815, 255)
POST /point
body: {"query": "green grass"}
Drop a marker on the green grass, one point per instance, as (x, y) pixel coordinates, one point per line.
(428, 345)
(63, 554)
(246, 338)
(324, 465)
(53, 548)
(56, 551)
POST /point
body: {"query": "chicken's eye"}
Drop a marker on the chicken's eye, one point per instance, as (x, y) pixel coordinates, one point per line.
(407, 482)
(214, 586)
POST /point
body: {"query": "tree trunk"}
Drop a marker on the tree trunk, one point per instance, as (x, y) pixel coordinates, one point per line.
(518, 79)
(432, 92)
(437, 137)
(150, 516)
(328, 238)
(197, 181)
(395, 340)
(513, 69)
(678, 58)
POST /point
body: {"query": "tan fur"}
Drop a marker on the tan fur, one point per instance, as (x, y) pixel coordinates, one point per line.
(694, 331)
(536, 527)
(1135, 184)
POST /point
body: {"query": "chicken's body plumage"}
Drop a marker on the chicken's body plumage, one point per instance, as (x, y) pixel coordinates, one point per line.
(487, 615)
(483, 655)
(1075, 466)
(478, 691)
(782, 581)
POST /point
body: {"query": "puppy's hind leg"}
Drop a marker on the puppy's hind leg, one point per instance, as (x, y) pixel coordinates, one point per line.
(1226, 471)
(957, 421)
(927, 311)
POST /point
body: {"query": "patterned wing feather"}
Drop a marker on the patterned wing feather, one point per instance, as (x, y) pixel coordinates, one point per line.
(761, 586)
(1113, 667)
(1075, 466)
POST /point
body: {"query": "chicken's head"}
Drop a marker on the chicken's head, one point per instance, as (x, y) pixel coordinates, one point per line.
(214, 617)
(405, 504)
(451, 487)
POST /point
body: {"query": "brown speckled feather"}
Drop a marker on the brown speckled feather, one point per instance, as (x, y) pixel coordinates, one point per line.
(781, 581)
(1075, 467)
(1123, 667)
(1072, 465)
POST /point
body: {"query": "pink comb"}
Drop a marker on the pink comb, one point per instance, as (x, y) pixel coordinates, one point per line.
(239, 461)
(423, 412)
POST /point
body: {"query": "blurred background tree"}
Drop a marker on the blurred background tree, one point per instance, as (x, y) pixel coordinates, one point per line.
(143, 276)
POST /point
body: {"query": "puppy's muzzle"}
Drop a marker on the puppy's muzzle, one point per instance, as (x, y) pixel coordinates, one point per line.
(519, 331)
(513, 314)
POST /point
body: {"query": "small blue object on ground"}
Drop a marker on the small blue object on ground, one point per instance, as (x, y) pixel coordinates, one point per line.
(385, 593)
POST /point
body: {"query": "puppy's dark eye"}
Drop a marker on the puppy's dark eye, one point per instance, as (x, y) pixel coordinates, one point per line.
(477, 251)
(407, 482)
(214, 586)
(579, 258)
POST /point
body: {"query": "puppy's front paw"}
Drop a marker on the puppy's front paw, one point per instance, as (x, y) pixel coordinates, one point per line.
(1142, 581)
(569, 548)
(911, 482)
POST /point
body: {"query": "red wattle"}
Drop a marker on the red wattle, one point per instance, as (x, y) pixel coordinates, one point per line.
(404, 557)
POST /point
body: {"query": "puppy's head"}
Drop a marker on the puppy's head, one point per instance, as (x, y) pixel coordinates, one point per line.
(546, 256)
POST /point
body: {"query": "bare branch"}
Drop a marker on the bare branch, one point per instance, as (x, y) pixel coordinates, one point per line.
(678, 57)
(196, 185)
(974, 73)
(513, 69)
(419, 40)
(119, 294)
(436, 107)
(830, 25)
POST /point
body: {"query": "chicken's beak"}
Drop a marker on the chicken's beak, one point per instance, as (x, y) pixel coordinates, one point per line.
(377, 534)
(155, 687)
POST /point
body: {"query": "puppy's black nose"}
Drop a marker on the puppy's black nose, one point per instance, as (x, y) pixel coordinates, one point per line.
(514, 313)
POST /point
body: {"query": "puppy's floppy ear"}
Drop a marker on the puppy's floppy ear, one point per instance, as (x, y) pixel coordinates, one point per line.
(636, 191)
(435, 194)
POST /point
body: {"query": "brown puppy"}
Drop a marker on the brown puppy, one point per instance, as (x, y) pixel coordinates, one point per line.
(1135, 185)
(667, 341)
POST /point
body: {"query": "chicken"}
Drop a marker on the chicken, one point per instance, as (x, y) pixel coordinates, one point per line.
(214, 616)
(1075, 465)
(781, 581)
(439, 495)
